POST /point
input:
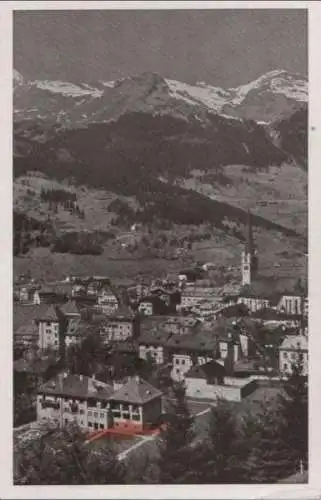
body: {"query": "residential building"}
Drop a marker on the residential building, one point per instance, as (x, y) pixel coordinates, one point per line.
(26, 335)
(210, 381)
(50, 332)
(146, 308)
(96, 405)
(292, 304)
(153, 343)
(187, 350)
(121, 325)
(107, 301)
(293, 349)
(137, 404)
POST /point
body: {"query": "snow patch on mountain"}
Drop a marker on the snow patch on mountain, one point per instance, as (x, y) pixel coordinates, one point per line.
(212, 97)
(67, 89)
(277, 82)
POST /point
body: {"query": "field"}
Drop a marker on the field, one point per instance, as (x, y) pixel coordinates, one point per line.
(278, 193)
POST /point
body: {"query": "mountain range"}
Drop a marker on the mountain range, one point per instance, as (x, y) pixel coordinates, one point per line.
(139, 135)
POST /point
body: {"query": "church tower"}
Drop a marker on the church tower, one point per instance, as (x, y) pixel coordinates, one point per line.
(249, 255)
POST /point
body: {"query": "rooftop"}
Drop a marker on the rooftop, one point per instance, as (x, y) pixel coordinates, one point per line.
(206, 371)
(294, 343)
(137, 391)
(77, 386)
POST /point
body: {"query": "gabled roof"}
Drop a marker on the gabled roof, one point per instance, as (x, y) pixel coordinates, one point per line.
(50, 314)
(27, 330)
(154, 337)
(206, 371)
(136, 391)
(202, 341)
(70, 308)
(77, 386)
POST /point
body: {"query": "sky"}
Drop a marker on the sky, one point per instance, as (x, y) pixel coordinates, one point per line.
(220, 47)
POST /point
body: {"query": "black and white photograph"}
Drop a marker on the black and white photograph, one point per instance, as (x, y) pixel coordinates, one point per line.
(160, 297)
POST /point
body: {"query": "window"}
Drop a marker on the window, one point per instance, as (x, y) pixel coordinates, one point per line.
(90, 413)
(82, 412)
(285, 367)
(102, 415)
(285, 355)
(95, 414)
(177, 370)
(90, 424)
(102, 426)
(177, 361)
(66, 421)
(125, 407)
(135, 417)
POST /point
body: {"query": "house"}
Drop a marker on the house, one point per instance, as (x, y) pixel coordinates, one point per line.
(292, 304)
(184, 351)
(50, 329)
(75, 331)
(153, 343)
(122, 324)
(26, 335)
(136, 404)
(293, 349)
(146, 308)
(49, 295)
(210, 381)
(107, 300)
(97, 405)
(67, 398)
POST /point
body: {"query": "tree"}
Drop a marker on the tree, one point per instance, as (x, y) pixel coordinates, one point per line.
(176, 461)
(219, 460)
(61, 456)
(265, 457)
(294, 411)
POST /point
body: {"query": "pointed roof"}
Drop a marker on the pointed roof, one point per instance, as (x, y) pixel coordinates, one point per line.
(136, 391)
(50, 314)
(70, 308)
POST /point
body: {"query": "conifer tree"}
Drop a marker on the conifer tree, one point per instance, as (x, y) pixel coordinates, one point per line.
(294, 411)
(176, 462)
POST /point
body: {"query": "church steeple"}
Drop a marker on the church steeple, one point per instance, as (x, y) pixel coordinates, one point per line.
(249, 256)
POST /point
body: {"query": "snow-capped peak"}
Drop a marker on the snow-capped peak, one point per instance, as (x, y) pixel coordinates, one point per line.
(276, 81)
(67, 89)
(213, 98)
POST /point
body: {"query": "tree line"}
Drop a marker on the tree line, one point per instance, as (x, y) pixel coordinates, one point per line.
(255, 447)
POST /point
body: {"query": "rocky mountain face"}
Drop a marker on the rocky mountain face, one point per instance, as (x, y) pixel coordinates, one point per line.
(140, 135)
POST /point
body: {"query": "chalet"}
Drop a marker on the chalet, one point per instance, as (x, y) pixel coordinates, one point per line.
(293, 349)
(26, 335)
(97, 405)
(184, 351)
(107, 300)
(122, 324)
(153, 343)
